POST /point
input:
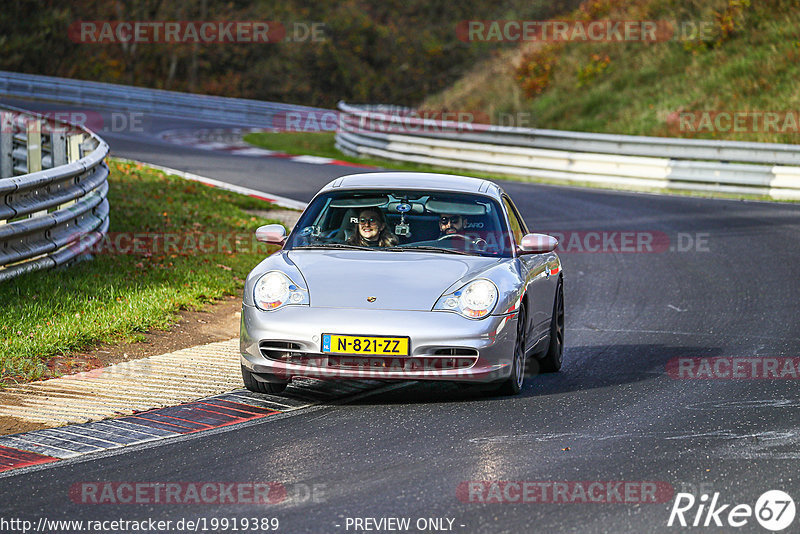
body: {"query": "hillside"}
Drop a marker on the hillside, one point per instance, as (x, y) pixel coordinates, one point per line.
(742, 66)
(317, 53)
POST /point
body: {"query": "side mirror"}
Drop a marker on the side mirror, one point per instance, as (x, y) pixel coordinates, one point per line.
(271, 233)
(537, 244)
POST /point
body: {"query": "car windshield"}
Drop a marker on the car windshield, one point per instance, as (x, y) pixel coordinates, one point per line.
(400, 220)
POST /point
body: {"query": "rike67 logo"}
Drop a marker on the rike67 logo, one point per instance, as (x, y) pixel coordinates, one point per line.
(774, 510)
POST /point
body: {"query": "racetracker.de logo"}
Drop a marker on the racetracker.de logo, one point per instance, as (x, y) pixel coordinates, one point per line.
(416, 121)
(568, 492)
(155, 31)
(65, 120)
(628, 241)
(728, 368)
(177, 493)
(734, 122)
(165, 243)
(592, 31)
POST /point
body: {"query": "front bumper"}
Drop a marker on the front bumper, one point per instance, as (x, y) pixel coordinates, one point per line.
(480, 349)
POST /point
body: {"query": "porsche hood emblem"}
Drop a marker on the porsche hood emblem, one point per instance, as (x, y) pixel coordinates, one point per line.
(371, 299)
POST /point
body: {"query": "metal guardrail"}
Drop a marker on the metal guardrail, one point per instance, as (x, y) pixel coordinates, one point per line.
(53, 188)
(239, 111)
(619, 160)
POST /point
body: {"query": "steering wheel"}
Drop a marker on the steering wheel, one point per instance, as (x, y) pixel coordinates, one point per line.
(452, 236)
(478, 242)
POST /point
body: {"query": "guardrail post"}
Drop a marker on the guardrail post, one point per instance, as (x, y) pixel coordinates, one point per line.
(34, 136)
(6, 161)
(66, 149)
(6, 144)
(74, 147)
(59, 147)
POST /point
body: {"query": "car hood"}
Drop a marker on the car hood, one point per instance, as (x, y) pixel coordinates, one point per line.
(397, 280)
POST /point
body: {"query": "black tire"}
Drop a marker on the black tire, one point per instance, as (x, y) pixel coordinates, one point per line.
(551, 362)
(513, 384)
(257, 386)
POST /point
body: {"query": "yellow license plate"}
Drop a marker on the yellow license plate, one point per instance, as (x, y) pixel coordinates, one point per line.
(384, 346)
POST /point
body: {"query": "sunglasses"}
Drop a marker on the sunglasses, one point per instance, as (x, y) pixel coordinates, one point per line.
(367, 220)
(446, 220)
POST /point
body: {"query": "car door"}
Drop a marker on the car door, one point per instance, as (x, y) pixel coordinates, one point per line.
(535, 268)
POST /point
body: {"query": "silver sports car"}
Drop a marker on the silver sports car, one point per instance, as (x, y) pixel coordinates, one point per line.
(406, 276)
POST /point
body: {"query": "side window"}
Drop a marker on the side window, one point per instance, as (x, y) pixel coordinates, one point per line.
(513, 219)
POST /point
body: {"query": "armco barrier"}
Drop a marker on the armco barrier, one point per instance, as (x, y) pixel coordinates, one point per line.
(217, 109)
(53, 187)
(617, 160)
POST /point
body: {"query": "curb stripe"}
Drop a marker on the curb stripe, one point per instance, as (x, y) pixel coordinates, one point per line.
(15, 458)
(130, 426)
(30, 445)
(56, 442)
(351, 164)
(228, 412)
(169, 423)
(238, 406)
(239, 147)
(194, 416)
(119, 438)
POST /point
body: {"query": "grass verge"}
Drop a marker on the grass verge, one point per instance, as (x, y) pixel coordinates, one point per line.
(117, 296)
(323, 144)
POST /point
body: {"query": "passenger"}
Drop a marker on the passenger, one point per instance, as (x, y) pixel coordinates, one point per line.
(451, 224)
(372, 230)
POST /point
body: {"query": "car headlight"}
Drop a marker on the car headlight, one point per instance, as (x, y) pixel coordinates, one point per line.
(475, 300)
(275, 290)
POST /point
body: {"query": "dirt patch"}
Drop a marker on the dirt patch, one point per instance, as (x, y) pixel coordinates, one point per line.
(218, 322)
(12, 425)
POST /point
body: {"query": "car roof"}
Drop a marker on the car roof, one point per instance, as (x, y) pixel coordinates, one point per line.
(415, 180)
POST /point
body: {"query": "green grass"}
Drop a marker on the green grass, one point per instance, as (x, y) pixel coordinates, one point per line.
(755, 68)
(323, 144)
(116, 297)
(297, 143)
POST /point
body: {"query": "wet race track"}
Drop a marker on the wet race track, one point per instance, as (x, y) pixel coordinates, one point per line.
(681, 360)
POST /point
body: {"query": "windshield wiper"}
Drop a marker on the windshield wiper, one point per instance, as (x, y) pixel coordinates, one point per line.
(434, 249)
(334, 245)
(387, 249)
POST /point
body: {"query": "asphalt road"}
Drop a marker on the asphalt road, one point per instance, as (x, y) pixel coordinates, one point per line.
(613, 413)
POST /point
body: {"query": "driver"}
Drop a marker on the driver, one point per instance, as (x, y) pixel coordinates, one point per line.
(450, 224)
